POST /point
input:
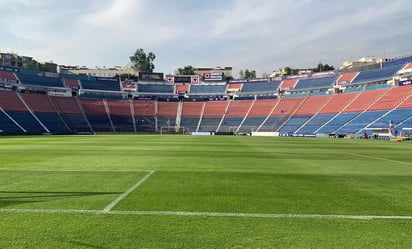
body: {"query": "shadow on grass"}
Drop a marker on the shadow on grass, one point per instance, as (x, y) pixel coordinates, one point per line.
(8, 198)
(83, 244)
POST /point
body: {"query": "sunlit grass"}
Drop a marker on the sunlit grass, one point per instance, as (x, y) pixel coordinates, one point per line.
(203, 174)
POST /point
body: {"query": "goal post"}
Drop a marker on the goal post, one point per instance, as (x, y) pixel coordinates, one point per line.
(172, 130)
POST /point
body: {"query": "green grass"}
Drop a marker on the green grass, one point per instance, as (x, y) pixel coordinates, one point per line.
(69, 175)
(63, 190)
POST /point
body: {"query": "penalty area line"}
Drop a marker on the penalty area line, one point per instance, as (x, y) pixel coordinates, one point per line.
(211, 214)
(125, 194)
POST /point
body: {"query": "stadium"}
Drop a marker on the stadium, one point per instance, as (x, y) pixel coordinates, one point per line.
(359, 103)
(96, 162)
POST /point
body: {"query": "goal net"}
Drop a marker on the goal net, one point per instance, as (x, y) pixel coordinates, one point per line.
(172, 130)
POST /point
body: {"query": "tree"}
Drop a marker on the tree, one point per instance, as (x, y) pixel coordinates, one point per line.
(187, 70)
(35, 65)
(326, 67)
(143, 62)
(287, 70)
(228, 78)
(247, 74)
(323, 68)
(241, 74)
(250, 74)
(124, 76)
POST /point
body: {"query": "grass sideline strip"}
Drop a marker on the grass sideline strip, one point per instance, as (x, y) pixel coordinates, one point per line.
(210, 214)
(379, 158)
(73, 171)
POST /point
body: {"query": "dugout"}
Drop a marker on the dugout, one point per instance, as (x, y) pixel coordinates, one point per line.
(380, 133)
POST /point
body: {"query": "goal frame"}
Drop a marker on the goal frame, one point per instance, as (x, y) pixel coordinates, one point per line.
(172, 130)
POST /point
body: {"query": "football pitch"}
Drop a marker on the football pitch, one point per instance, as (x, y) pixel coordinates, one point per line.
(152, 191)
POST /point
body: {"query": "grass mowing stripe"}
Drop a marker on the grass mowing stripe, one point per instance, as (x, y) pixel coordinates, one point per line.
(211, 214)
(51, 211)
(73, 170)
(125, 194)
(379, 158)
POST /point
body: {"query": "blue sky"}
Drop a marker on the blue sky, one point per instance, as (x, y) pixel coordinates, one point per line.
(257, 35)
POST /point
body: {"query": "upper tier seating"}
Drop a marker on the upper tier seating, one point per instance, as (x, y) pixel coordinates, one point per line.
(8, 77)
(234, 86)
(346, 78)
(94, 83)
(72, 83)
(35, 78)
(155, 88)
(182, 88)
(261, 87)
(315, 83)
(408, 66)
(397, 62)
(129, 86)
(383, 74)
(207, 89)
(354, 89)
(288, 84)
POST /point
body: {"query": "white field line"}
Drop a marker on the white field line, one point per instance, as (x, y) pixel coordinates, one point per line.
(125, 194)
(212, 214)
(379, 158)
